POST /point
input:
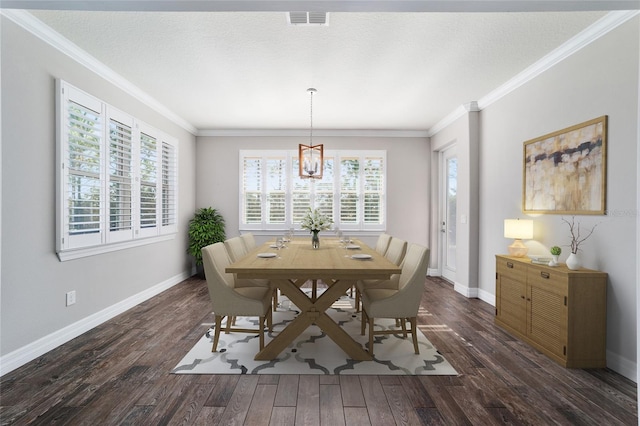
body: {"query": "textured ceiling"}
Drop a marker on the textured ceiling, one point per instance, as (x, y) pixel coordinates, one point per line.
(372, 70)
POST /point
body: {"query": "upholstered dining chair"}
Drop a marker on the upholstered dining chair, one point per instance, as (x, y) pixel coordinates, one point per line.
(400, 303)
(229, 301)
(396, 250)
(237, 250)
(383, 243)
(249, 241)
(395, 254)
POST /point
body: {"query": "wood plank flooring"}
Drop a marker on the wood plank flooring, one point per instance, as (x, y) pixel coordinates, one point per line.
(118, 373)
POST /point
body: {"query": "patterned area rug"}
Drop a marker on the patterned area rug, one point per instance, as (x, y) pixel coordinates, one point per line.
(313, 352)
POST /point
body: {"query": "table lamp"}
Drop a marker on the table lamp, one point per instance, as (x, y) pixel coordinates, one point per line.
(518, 230)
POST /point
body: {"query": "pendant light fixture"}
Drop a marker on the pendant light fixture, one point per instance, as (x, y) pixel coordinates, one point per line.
(310, 157)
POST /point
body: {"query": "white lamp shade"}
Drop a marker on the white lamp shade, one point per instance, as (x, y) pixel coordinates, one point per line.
(518, 229)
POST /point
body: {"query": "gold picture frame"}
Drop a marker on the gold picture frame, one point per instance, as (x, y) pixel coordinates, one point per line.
(565, 172)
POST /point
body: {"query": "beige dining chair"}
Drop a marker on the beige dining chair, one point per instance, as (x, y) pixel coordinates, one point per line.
(401, 303)
(396, 250)
(383, 243)
(395, 254)
(249, 241)
(236, 248)
(229, 301)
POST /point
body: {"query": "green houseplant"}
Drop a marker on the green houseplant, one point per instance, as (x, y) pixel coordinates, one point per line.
(206, 227)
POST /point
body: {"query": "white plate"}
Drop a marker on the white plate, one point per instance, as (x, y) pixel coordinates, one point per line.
(353, 246)
(361, 256)
(273, 246)
(267, 255)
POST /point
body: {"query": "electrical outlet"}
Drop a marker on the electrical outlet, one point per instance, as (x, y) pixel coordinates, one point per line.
(71, 297)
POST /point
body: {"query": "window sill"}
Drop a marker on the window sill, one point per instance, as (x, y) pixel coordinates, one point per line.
(107, 248)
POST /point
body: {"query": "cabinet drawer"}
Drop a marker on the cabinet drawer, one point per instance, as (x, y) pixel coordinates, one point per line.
(547, 277)
(511, 268)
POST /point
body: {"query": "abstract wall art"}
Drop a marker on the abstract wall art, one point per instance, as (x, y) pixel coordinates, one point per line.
(565, 171)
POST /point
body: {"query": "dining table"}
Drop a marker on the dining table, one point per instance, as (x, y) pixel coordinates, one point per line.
(336, 264)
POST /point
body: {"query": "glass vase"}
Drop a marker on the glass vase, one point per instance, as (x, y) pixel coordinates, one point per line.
(315, 241)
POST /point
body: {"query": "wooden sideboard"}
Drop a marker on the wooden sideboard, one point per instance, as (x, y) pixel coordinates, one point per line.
(558, 311)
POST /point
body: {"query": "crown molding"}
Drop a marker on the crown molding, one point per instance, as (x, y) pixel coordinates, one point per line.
(601, 27)
(316, 133)
(36, 27)
(598, 29)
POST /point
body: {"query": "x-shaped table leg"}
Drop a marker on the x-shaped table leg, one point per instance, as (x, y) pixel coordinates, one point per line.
(312, 312)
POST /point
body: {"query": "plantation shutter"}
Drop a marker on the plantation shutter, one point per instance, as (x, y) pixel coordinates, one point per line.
(117, 178)
(120, 177)
(349, 188)
(148, 183)
(276, 190)
(251, 210)
(373, 190)
(351, 191)
(82, 168)
(169, 187)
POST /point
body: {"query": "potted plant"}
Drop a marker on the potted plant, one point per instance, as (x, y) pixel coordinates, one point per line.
(555, 252)
(206, 227)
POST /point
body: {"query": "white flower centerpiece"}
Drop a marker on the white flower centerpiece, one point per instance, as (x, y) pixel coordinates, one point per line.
(315, 222)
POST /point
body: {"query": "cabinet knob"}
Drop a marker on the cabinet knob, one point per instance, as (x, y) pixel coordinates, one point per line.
(509, 265)
(544, 275)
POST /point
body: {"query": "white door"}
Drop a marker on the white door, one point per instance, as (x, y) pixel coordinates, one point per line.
(448, 203)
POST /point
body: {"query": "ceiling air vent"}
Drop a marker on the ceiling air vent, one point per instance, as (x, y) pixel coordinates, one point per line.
(308, 18)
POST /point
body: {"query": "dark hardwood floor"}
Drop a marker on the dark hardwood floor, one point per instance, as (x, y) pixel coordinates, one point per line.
(118, 373)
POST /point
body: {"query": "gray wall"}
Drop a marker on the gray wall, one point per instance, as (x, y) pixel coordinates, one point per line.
(408, 162)
(34, 281)
(601, 79)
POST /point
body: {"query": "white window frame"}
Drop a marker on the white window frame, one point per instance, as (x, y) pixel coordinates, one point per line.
(290, 156)
(103, 239)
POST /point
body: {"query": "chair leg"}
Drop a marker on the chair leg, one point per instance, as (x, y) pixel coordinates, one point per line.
(358, 301)
(261, 321)
(275, 299)
(216, 334)
(413, 333)
(270, 320)
(363, 320)
(371, 336)
(403, 325)
(229, 321)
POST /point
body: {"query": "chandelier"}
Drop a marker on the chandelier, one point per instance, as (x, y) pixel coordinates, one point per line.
(310, 158)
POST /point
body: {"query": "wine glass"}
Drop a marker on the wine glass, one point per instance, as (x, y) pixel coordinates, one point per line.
(345, 244)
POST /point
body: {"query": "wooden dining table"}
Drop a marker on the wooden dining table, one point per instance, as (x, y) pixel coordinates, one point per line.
(298, 263)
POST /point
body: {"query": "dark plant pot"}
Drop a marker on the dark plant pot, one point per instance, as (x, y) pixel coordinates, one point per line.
(200, 272)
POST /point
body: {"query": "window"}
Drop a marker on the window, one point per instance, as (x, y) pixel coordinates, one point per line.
(117, 178)
(351, 191)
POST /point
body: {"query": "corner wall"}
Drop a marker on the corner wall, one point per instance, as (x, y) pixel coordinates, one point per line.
(33, 280)
(600, 79)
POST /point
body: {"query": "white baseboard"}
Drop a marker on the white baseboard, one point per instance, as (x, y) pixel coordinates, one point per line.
(27, 353)
(470, 292)
(623, 366)
(485, 296)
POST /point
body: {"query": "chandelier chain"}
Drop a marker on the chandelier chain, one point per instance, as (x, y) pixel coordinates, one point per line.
(311, 120)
